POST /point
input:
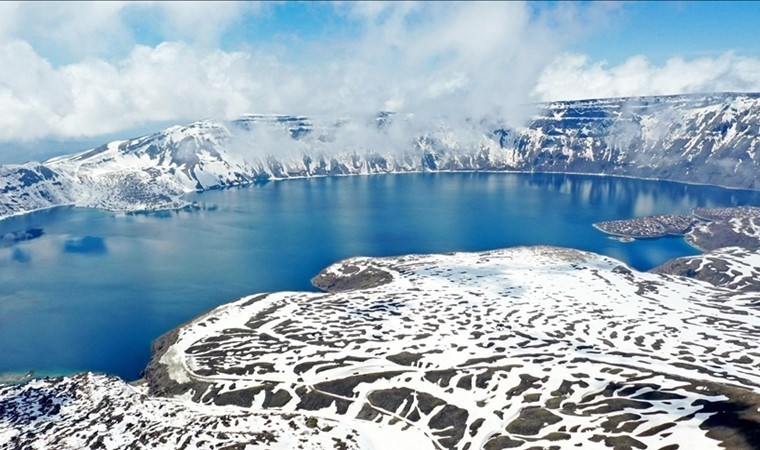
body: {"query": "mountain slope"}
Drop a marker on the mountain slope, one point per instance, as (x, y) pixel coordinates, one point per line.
(731, 267)
(711, 138)
(33, 186)
(96, 411)
(519, 348)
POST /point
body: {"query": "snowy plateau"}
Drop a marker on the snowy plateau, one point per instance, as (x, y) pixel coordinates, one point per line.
(707, 138)
(528, 347)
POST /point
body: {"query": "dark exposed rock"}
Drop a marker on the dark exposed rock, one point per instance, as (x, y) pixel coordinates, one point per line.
(736, 421)
(734, 268)
(734, 232)
(648, 227)
(502, 442)
(707, 229)
(531, 421)
(351, 278)
(404, 358)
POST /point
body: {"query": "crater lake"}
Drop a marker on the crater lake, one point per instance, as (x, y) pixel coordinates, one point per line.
(89, 290)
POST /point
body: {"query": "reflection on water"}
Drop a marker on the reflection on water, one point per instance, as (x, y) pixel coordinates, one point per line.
(88, 244)
(20, 255)
(12, 237)
(96, 288)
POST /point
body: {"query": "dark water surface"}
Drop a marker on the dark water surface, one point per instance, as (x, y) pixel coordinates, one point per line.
(96, 288)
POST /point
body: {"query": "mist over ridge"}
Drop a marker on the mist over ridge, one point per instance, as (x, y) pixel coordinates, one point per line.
(701, 138)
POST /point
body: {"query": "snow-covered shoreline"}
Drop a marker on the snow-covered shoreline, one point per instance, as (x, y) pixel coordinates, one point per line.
(527, 346)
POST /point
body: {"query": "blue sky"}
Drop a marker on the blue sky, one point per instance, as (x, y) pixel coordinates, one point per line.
(658, 30)
(661, 30)
(73, 73)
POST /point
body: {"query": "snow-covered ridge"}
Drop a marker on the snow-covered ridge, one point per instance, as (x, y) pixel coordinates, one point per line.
(710, 138)
(517, 348)
(731, 267)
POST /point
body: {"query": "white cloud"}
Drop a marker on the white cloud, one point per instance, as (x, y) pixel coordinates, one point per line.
(71, 70)
(202, 22)
(573, 77)
(460, 59)
(67, 30)
(429, 59)
(170, 81)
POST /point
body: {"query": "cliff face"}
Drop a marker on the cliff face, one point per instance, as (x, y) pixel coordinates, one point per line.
(712, 139)
(709, 139)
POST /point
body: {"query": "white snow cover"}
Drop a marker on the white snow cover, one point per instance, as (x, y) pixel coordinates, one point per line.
(95, 411)
(527, 347)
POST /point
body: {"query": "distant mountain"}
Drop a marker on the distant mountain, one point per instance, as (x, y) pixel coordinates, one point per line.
(707, 138)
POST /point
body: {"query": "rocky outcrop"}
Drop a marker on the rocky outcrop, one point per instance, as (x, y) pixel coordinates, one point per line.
(726, 227)
(649, 226)
(732, 267)
(706, 229)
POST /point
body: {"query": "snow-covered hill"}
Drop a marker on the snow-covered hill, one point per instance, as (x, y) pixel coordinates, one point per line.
(532, 347)
(710, 139)
(93, 411)
(732, 267)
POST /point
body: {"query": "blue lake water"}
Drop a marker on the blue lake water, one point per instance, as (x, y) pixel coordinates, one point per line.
(96, 288)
